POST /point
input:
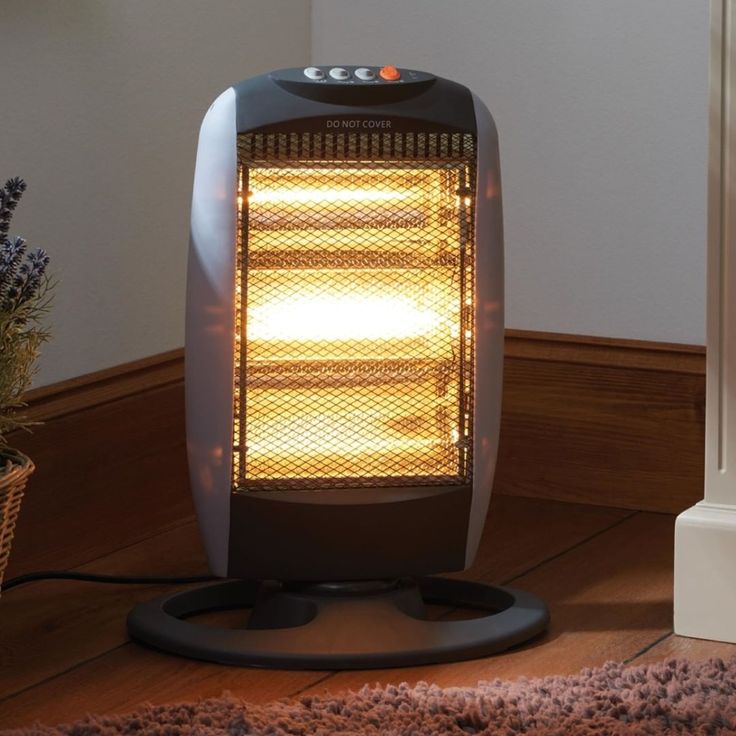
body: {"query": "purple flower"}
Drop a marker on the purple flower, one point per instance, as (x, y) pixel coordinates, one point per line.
(11, 254)
(10, 195)
(27, 281)
(21, 273)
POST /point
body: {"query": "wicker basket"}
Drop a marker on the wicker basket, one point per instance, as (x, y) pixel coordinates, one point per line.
(15, 468)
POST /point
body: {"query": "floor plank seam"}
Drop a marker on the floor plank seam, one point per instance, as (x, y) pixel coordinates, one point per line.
(649, 646)
(565, 551)
(192, 518)
(318, 681)
(165, 530)
(76, 665)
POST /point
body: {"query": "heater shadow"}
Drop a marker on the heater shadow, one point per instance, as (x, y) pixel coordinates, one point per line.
(228, 618)
(238, 618)
(581, 616)
(567, 618)
(610, 616)
(576, 618)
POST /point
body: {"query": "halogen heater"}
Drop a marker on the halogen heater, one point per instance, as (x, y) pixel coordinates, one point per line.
(344, 348)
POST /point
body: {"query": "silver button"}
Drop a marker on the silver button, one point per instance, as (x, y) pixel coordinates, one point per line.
(365, 74)
(337, 72)
(314, 73)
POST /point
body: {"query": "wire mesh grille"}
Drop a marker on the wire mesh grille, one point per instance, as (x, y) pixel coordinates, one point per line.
(354, 310)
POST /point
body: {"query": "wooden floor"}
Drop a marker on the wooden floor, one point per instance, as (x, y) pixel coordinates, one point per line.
(606, 574)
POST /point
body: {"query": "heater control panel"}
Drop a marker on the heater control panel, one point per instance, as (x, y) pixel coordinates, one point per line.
(361, 74)
(353, 85)
(353, 75)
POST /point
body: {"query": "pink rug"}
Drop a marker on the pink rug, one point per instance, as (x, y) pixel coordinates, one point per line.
(674, 697)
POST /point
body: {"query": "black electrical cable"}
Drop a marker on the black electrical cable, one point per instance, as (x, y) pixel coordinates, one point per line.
(32, 577)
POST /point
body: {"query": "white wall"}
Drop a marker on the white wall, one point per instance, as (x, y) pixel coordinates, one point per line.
(100, 105)
(601, 109)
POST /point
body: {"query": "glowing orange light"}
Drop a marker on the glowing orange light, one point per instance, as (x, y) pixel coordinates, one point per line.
(295, 196)
(341, 317)
(354, 299)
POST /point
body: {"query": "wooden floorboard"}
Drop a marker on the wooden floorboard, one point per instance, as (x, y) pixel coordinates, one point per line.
(126, 677)
(51, 626)
(67, 643)
(609, 598)
(606, 574)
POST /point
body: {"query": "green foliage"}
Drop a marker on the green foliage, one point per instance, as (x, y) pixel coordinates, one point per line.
(25, 298)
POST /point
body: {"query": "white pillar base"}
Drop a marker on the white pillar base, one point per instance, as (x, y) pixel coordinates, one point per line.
(705, 573)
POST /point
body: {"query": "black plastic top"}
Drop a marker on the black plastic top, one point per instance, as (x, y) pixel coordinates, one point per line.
(288, 100)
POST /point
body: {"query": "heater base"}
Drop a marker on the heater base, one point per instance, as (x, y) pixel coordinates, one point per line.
(357, 625)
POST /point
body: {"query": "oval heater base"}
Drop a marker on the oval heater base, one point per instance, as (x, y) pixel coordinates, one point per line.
(338, 626)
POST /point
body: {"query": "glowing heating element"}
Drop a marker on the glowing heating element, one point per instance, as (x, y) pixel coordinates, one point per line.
(319, 315)
(354, 322)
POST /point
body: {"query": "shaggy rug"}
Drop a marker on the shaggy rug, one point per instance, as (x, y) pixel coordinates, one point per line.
(673, 697)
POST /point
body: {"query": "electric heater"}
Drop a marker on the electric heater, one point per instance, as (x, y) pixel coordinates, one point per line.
(344, 355)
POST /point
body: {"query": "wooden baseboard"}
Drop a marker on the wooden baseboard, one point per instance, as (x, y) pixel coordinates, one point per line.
(102, 387)
(603, 421)
(591, 420)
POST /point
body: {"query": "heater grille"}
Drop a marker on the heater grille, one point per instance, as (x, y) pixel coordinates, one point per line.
(354, 310)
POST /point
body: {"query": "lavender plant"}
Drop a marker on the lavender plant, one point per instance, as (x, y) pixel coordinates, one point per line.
(25, 295)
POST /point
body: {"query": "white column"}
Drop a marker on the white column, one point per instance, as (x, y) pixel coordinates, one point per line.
(705, 535)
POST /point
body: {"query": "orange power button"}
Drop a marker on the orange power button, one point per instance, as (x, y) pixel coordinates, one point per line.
(391, 73)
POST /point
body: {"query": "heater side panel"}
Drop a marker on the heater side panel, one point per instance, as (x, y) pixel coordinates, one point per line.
(489, 279)
(210, 327)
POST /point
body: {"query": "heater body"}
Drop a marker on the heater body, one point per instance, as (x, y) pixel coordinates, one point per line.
(344, 329)
(343, 374)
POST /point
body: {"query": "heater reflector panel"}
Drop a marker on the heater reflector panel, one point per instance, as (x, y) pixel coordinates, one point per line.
(354, 311)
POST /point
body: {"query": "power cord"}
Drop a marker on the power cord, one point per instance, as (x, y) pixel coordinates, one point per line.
(32, 577)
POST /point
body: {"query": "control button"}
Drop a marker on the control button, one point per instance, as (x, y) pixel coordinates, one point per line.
(314, 73)
(391, 73)
(337, 72)
(365, 74)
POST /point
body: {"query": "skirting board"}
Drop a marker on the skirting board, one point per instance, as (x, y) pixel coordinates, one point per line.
(591, 420)
(602, 421)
